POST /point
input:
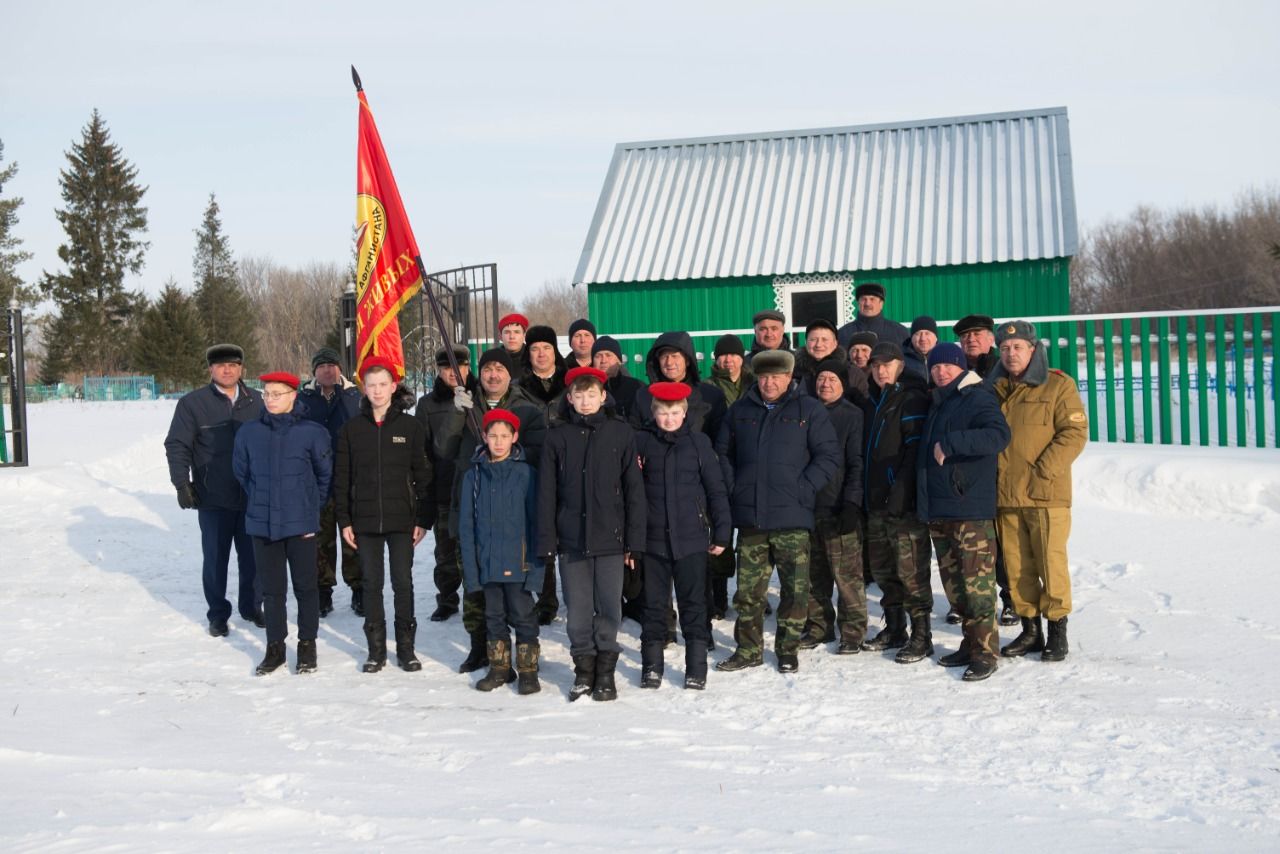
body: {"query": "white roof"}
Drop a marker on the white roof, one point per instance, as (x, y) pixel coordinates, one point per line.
(937, 192)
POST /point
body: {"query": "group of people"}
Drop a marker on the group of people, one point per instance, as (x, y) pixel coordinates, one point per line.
(854, 458)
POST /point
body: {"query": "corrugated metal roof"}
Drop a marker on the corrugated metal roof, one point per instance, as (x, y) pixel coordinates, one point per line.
(936, 192)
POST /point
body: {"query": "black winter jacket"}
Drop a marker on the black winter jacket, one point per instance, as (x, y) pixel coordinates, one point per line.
(688, 506)
(845, 486)
(623, 388)
(382, 477)
(590, 491)
(892, 442)
(333, 412)
(200, 442)
(436, 412)
(966, 419)
(706, 403)
(776, 460)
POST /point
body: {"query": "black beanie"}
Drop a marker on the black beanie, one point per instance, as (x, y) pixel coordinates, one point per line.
(924, 322)
(499, 355)
(579, 325)
(728, 345)
(835, 366)
(607, 343)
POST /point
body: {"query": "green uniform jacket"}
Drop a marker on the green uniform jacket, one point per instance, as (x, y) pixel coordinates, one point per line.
(732, 391)
(1049, 430)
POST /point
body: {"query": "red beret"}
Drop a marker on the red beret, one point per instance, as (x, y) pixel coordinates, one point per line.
(591, 373)
(379, 362)
(500, 415)
(509, 319)
(280, 377)
(669, 392)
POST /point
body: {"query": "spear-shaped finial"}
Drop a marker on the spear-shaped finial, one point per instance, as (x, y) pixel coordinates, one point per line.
(355, 78)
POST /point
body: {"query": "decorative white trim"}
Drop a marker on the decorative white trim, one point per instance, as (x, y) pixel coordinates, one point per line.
(843, 282)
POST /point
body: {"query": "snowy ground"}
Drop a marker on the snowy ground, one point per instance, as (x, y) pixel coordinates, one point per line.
(124, 725)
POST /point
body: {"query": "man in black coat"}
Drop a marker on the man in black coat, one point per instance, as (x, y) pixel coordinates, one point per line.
(778, 450)
(606, 355)
(331, 400)
(436, 410)
(871, 318)
(198, 449)
(544, 367)
(671, 359)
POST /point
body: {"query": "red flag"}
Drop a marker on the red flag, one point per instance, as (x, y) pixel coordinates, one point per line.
(386, 270)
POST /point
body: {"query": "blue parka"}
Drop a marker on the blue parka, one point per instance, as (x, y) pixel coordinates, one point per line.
(776, 460)
(688, 507)
(285, 464)
(498, 522)
(965, 418)
(200, 441)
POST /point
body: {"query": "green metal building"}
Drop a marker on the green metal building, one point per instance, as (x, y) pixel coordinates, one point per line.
(952, 216)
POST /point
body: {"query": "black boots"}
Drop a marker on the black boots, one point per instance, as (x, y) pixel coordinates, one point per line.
(478, 657)
(1055, 646)
(894, 633)
(326, 601)
(739, 661)
(652, 664)
(979, 669)
(218, 628)
(1031, 639)
(406, 633)
(788, 663)
(584, 675)
(377, 638)
(357, 601)
(604, 688)
(719, 598)
(921, 643)
(813, 637)
(443, 612)
(306, 656)
(527, 667)
(500, 672)
(273, 659)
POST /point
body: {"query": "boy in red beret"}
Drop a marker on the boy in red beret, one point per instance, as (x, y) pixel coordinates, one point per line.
(591, 508)
(284, 461)
(497, 518)
(688, 518)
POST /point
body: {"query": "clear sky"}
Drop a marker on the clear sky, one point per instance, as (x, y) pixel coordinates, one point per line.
(500, 118)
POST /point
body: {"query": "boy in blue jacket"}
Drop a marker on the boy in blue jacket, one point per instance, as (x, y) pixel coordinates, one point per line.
(284, 461)
(497, 524)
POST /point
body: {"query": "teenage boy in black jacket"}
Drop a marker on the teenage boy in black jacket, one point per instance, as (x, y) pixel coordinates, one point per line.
(591, 512)
(384, 501)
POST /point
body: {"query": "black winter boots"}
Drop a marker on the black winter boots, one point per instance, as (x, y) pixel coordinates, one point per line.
(478, 657)
(584, 676)
(406, 634)
(306, 656)
(894, 633)
(527, 667)
(357, 601)
(921, 643)
(500, 672)
(719, 598)
(1030, 640)
(326, 601)
(652, 664)
(1055, 646)
(377, 638)
(273, 660)
(604, 688)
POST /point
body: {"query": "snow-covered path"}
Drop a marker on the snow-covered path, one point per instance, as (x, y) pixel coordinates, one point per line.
(122, 723)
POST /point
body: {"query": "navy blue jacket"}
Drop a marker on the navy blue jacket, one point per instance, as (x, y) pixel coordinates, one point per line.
(334, 412)
(775, 461)
(893, 445)
(590, 490)
(200, 441)
(966, 419)
(845, 486)
(498, 522)
(884, 328)
(285, 464)
(688, 506)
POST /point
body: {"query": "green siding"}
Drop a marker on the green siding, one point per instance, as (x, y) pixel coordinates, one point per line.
(1009, 289)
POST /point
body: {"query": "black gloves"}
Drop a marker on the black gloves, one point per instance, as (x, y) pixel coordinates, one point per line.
(187, 498)
(849, 518)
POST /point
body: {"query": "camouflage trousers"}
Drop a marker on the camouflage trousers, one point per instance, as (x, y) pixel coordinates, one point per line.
(758, 553)
(899, 554)
(967, 564)
(448, 572)
(835, 565)
(328, 543)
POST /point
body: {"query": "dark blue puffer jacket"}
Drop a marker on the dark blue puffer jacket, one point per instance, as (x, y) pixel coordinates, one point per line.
(775, 461)
(201, 437)
(688, 507)
(285, 464)
(498, 522)
(334, 412)
(965, 418)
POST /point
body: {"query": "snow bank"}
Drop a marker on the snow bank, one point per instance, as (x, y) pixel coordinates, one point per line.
(122, 724)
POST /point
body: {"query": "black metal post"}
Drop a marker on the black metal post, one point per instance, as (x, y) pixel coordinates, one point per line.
(347, 313)
(473, 420)
(17, 389)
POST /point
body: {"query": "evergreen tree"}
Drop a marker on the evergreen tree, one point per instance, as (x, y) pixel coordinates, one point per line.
(225, 309)
(10, 255)
(170, 341)
(104, 221)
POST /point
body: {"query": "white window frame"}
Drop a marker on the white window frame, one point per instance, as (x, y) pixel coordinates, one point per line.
(842, 284)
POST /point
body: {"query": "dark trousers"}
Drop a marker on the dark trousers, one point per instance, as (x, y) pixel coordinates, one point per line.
(448, 572)
(399, 548)
(300, 554)
(329, 544)
(509, 605)
(690, 577)
(593, 596)
(218, 530)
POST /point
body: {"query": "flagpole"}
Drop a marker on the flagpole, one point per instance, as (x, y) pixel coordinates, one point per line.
(473, 420)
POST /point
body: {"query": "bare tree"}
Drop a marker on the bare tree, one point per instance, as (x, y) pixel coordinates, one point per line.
(556, 304)
(296, 310)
